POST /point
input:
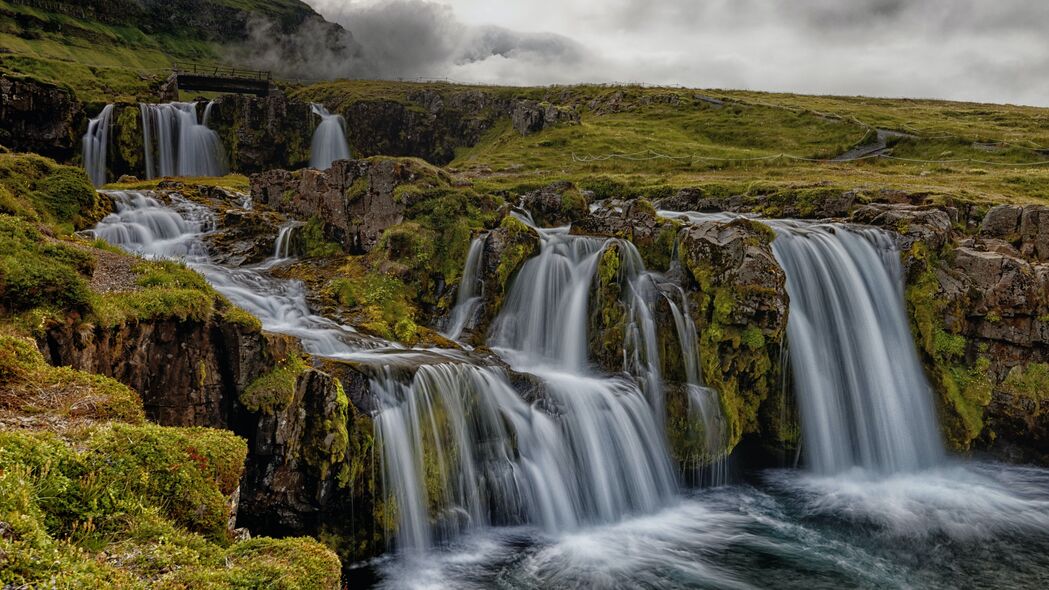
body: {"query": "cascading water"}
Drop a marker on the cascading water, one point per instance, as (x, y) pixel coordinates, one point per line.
(177, 144)
(329, 139)
(96, 145)
(542, 329)
(470, 296)
(145, 226)
(863, 396)
(704, 406)
(575, 464)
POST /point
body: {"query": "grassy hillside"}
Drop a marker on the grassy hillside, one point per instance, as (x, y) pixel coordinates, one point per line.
(656, 140)
(120, 50)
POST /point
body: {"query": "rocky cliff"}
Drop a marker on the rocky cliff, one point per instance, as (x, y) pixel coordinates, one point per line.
(976, 286)
(39, 117)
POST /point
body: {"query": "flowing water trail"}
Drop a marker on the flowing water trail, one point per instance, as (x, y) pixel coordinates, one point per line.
(96, 145)
(329, 139)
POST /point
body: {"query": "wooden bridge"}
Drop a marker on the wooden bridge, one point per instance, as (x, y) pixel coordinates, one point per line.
(205, 78)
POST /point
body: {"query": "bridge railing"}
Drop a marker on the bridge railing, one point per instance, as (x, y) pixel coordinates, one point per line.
(195, 69)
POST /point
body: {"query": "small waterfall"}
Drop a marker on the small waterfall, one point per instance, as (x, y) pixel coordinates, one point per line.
(470, 296)
(543, 329)
(176, 144)
(704, 405)
(863, 396)
(145, 226)
(329, 139)
(96, 145)
(282, 247)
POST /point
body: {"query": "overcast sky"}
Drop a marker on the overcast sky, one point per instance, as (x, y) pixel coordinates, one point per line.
(986, 50)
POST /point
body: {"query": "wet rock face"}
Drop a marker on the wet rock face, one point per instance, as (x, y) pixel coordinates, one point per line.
(263, 133)
(39, 117)
(739, 304)
(243, 237)
(355, 200)
(188, 373)
(311, 465)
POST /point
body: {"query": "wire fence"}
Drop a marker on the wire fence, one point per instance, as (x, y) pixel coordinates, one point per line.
(650, 154)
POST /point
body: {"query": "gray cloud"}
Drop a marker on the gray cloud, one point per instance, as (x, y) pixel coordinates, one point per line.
(960, 49)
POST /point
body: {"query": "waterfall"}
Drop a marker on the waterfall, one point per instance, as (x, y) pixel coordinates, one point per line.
(282, 247)
(863, 396)
(704, 405)
(177, 144)
(145, 226)
(329, 139)
(470, 296)
(462, 447)
(542, 329)
(96, 145)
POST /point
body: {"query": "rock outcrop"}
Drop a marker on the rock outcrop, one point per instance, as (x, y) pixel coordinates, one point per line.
(530, 116)
(188, 373)
(557, 204)
(312, 463)
(354, 201)
(39, 117)
(263, 133)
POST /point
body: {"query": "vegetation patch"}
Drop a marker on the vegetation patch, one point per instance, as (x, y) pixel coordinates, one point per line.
(273, 391)
(958, 372)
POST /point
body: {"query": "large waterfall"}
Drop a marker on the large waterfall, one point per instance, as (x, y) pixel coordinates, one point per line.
(550, 472)
(96, 145)
(178, 143)
(329, 139)
(863, 396)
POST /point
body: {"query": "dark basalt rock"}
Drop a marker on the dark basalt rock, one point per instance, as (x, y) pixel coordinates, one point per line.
(188, 373)
(558, 204)
(355, 200)
(39, 117)
(530, 116)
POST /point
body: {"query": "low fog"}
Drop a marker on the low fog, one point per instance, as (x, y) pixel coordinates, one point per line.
(955, 49)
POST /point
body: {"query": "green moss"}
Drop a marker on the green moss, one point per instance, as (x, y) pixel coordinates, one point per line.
(382, 303)
(275, 390)
(608, 318)
(326, 439)
(39, 189)
(128, 140)
(239, 317)
(1030, 381)
(521, 246)
(736, 359)
(960, 377)
(315, 243)
(35, 271)
(281, 564)
(109, 511)
(187, 471)
(167, 290)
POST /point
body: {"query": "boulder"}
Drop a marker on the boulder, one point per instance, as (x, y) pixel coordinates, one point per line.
(1002, 221)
